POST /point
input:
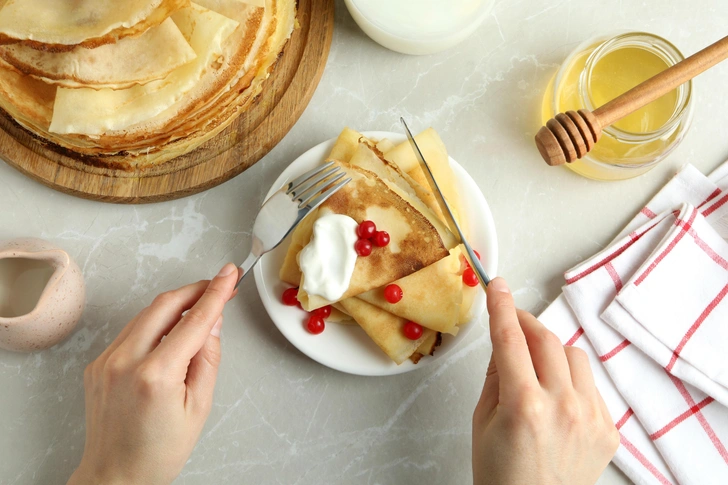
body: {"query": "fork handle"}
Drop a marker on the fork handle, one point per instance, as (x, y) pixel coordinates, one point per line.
(247, 266)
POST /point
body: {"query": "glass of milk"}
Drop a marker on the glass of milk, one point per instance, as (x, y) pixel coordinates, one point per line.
(419, 26)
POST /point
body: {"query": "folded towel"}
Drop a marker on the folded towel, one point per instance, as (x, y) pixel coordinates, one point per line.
(688, 186)
(675, 306)
(637, 455)
(668, 409)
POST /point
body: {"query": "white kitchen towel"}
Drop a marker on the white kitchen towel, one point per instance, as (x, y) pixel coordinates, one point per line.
(688, 186)
(657, 398)
(636, 456)
(674, 307)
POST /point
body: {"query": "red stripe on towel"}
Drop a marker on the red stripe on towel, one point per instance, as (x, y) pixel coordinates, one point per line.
(614, 351)
(643, 460)
(694, 327)
(575, 337)
(614, 275)
(624, 419)
(683, 230)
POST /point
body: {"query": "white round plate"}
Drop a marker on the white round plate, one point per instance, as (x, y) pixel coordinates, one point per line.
(346, 347)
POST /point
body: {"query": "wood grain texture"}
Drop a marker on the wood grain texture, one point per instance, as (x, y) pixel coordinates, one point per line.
(251, 136)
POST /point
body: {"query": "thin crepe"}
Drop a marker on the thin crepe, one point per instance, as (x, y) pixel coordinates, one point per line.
(94, 112)
(361, 155)
(427, 347)
(368, 157)
(290, 272)
(225, 91)
(29, 101)
(432, 296)
(385, 329)
(65, 24)
(346, 144)
(434, 151)
(414, 241)
(132, 60)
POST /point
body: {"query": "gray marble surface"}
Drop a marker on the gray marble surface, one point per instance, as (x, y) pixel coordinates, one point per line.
(280, 418)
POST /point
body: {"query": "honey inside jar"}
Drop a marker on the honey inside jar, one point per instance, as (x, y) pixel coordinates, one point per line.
(599, 71)
(621, 70)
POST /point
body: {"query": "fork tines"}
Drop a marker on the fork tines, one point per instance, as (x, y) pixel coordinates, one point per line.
(315, 186)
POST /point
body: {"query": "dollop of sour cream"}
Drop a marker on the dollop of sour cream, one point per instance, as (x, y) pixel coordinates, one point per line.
(327, 262)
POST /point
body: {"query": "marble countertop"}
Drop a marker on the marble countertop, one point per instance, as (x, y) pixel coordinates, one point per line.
(280, 418)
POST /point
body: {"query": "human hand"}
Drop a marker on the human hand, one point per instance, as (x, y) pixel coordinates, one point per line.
(146, 400)
(540, 419)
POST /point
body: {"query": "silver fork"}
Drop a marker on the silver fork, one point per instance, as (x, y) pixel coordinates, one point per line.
(282, 212)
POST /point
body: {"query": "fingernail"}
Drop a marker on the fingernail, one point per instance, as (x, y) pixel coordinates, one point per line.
(499, 284)
(227, 270)
(217, 328)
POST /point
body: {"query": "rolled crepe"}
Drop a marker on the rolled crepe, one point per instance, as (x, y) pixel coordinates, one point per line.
(368, 157)
(385, 329)
(338, 315)
(414, 241)
(432, 297)
(434, 151)
(345, 146)
(427, 347)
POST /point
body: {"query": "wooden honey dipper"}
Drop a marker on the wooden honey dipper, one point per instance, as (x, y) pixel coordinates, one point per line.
(571, 135)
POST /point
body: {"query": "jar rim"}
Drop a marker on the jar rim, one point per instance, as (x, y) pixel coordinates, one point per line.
(654, 44)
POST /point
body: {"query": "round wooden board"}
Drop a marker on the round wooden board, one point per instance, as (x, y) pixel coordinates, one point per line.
(285, 95)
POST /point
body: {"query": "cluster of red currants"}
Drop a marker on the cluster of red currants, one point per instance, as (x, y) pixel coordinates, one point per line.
(369, 237)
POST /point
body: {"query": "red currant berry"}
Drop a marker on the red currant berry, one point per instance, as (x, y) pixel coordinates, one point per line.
(477, 254)
(323, 312)
(290, 297)
(381, 238)
(315, 324)
(363, 247)
(412, 330)
(469, 277)
(393, 293)
(366, 229)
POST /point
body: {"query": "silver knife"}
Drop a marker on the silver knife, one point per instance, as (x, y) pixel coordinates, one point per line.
(449, 218)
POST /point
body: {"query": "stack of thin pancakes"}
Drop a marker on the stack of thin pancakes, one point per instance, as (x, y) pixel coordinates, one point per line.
(423, 257)
(136, 83)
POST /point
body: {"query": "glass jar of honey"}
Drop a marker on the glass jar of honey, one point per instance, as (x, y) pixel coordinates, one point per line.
(601, 69)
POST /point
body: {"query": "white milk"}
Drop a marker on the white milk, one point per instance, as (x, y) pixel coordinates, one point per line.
(419, 26)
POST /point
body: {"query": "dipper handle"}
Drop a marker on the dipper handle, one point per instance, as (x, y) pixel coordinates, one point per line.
(569, 136)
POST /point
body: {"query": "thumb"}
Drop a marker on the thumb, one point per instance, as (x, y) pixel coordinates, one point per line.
(202, 373)
(489, 397)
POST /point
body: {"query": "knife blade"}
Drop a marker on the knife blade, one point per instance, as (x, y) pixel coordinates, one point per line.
(446, 211)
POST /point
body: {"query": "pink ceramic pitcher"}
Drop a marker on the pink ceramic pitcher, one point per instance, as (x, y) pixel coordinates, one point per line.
(42, 294)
